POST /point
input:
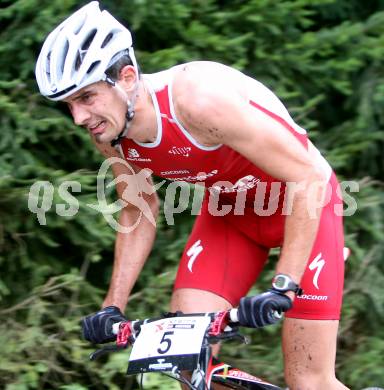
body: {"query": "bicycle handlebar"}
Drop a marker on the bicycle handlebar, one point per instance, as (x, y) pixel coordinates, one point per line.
(223, 325)
(232, 319)
(136, 324)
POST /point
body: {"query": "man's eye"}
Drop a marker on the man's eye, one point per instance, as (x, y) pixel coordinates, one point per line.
(86, 98)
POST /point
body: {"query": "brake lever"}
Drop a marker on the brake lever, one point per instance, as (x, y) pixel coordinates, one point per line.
(243, 339)
(103, 351)
(229, 336)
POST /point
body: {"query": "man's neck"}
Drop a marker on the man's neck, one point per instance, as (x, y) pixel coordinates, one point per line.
(144, 124)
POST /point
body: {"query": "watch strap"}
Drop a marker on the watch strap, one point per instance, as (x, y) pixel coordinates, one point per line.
(290, 285)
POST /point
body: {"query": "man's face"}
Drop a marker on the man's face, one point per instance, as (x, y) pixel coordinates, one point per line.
(100, 109)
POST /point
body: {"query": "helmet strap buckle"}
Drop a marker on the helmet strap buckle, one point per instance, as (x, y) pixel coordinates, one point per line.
(109, 81)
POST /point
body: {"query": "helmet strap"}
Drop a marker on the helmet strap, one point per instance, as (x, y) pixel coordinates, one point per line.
(129, 115)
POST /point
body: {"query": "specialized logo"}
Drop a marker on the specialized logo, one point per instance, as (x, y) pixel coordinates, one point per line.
(317, 264)
(134, 155)
(235, 373)
(183, 151)
(193, 252)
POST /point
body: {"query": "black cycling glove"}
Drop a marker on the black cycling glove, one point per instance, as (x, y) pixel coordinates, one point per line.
(260, 310)
(97, 327)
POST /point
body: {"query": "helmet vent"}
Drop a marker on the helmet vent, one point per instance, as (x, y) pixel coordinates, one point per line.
(79, 60)
(90, 69)
(83, 49)
(80, 24)
(48, 65)
(107, 39)
(88, 40)
(65, 52)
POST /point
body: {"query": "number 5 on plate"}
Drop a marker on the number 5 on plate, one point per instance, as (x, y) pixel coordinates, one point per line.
(168, 343)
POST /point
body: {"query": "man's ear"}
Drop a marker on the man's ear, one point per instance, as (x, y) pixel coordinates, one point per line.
(128, 77)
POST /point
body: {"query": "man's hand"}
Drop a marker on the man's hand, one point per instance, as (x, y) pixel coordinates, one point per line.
(97, 327)
(260, 310)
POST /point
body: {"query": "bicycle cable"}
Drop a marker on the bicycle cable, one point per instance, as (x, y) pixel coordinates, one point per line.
(181, 379)
(141, 381)
(184, 380)
(203, 378)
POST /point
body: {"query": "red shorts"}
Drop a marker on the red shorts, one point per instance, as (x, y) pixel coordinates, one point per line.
(225, 255)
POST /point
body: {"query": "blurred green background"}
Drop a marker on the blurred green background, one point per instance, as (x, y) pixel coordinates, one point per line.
(323, 58)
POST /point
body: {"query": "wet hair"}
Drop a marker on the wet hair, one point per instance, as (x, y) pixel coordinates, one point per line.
(120, 60)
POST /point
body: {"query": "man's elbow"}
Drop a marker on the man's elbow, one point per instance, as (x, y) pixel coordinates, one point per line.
(316, 192)
(314, 174)
(147, 206)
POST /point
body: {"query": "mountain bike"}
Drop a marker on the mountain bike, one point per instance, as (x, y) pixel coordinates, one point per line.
(176, 343)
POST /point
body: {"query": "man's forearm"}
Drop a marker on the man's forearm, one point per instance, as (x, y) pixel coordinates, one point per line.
(131, 252)
(300, 231)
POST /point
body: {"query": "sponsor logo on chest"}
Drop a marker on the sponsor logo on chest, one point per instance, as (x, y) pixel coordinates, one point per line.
(243, 184)
(181, 172)
(180, 151)
(134, 155)
(201, 176)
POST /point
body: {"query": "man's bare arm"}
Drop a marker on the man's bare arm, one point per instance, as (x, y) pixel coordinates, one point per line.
(131, 249)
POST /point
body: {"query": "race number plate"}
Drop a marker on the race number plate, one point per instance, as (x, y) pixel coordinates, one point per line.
(167, 344)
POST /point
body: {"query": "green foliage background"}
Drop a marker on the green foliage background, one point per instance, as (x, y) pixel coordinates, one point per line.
(324, 58)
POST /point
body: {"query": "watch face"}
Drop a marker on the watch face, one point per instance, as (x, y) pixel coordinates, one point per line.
(284, 283)
(280, 282)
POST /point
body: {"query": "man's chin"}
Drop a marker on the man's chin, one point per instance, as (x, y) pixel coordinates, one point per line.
(98, 138)
(101, 138)
(105, 137)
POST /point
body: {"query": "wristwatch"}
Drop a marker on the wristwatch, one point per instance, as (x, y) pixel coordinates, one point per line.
(284, 283)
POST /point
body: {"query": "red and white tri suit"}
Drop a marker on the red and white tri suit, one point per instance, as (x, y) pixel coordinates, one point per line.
(226, 253)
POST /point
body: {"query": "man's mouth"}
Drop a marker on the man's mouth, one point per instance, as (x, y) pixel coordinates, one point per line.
(97, 128)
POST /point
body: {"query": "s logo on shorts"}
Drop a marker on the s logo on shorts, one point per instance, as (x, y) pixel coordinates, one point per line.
(317, 264)
(193, 252)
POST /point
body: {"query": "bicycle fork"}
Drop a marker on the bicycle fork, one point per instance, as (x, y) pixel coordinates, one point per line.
(200, 377)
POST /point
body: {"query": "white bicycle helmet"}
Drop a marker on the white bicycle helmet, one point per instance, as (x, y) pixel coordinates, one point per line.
(79, 51)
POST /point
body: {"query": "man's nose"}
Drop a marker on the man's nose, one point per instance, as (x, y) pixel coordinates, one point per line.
(80, 115)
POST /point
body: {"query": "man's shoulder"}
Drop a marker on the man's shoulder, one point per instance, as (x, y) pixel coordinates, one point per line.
(191, 74)
(198, 79)
(205, 73)
(202, 84)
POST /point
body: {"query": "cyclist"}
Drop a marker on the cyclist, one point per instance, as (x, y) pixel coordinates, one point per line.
(206, 123)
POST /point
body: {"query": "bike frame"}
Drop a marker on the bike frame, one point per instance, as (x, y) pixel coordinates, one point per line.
(222, 374)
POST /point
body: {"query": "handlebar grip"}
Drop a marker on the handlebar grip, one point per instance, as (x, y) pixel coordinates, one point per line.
(115, 327)
(278, 315)
(233, 315)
